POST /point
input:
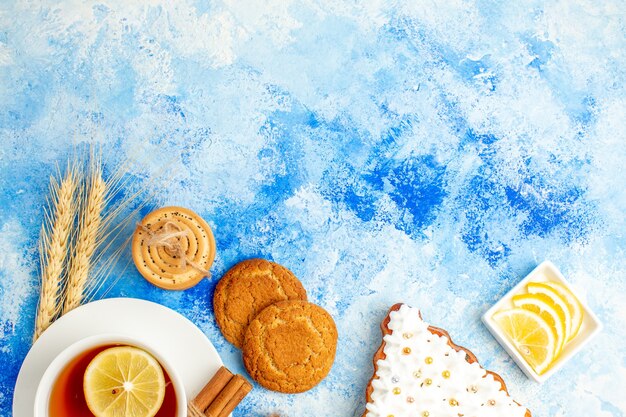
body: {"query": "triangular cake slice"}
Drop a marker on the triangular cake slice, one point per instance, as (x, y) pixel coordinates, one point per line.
(419, 372)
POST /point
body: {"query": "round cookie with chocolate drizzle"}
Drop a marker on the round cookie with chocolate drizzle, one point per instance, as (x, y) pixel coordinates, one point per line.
(173, 248)
(246, 289)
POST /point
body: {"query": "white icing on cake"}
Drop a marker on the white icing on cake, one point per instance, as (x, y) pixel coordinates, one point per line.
(415, 357)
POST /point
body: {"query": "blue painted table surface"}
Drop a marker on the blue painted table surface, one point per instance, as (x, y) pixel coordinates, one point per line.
(425, 152)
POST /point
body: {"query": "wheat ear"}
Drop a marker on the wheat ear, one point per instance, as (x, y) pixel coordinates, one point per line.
(90, 228)
(53, 247)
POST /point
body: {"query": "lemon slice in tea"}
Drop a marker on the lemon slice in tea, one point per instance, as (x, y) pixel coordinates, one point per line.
(530, 334)
(124, 381)
(550, 312)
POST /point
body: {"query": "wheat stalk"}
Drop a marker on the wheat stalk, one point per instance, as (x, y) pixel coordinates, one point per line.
(53, 247)
(74, 254)
(87, 239)
(120, 235)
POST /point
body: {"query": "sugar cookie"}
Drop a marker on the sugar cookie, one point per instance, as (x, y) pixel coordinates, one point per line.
(290, 346)
(246, 289)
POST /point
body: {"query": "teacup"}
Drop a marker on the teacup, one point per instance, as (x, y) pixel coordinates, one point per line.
(72, 353)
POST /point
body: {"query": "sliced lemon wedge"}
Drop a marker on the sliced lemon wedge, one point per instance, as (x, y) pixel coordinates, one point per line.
(549, 311)
(544, 288)
(573, 305)
(124, 381)
(530, 334)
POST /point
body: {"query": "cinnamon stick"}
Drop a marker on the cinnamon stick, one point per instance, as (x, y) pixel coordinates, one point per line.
(220, 396)
(219, 403)
(236, 399)
(211, 390)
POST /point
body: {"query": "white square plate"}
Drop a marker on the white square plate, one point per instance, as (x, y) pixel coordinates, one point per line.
(546, 271)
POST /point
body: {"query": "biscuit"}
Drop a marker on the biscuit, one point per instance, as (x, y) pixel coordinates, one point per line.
(421, 366)
(290, 346)
(173, 248)
(246, 289)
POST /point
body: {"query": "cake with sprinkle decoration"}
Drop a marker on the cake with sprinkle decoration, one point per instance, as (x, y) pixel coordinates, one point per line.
(419, 372)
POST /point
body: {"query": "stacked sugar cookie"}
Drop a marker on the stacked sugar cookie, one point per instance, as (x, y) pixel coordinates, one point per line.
(288, 344)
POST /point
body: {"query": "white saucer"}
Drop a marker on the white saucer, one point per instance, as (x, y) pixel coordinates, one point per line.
(179, 340)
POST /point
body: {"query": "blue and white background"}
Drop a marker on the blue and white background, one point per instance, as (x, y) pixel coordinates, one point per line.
(430, 152)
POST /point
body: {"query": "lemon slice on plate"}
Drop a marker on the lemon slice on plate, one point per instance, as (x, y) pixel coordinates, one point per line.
(573, 305)
(544, 288)
(530, 334)
(124, 381)
(549, 311)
